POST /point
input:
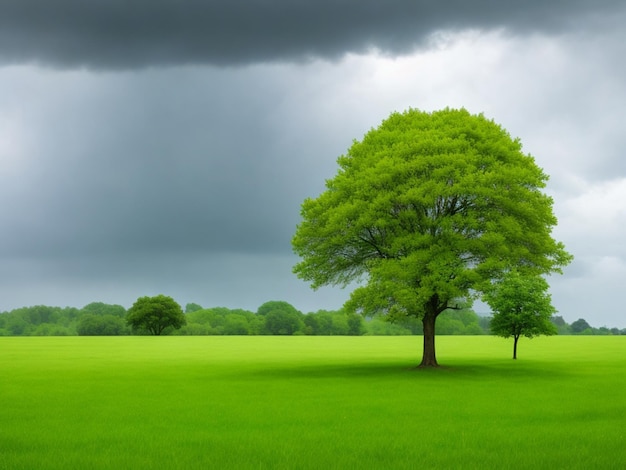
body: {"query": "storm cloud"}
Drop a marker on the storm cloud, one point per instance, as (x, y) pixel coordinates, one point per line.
(120, 35)
(166, 147)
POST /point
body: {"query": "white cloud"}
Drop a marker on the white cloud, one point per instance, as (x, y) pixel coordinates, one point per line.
(593, 221)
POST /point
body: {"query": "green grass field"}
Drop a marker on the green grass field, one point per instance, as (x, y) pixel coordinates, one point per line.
(311, 402)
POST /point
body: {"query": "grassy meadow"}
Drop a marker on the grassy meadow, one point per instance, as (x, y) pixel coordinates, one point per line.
(311, 403)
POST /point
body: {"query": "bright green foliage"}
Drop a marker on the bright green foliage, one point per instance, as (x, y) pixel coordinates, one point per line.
(522, 307)
(155, 314)
(427, 209)
(463, 321)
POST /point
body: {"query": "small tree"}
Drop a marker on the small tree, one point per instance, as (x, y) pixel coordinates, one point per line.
(192, 307)
(155, 314)
(579, 326)
(521, 306)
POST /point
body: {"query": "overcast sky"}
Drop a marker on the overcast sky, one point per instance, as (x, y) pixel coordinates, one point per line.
(165, 146)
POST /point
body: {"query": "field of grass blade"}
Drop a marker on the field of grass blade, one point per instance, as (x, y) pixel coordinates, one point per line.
(311, 402)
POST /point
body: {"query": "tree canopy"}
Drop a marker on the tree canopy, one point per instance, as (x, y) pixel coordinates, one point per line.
(281, 318)
(425, 211)
(521, 307)
(91, 324)
(580, 325)
(155, 314)
(100, 308)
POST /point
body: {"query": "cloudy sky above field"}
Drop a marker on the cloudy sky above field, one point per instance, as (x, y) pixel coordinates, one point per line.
(165, 146)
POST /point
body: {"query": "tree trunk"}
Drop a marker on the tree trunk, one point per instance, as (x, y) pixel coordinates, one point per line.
(428, 357)
(515, 338)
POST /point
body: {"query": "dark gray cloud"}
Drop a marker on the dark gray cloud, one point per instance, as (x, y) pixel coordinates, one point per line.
(121, 34)
(186, 181)
(184, 160)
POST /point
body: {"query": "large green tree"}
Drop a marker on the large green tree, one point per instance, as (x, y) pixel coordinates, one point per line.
(155, 314)
(424, 213)
(521, 307)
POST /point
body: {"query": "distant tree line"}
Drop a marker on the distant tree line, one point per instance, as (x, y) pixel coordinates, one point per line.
(271, 318)
(581, 327)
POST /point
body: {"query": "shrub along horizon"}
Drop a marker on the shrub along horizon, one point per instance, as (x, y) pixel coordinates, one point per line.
(41, 320)
(155, 315)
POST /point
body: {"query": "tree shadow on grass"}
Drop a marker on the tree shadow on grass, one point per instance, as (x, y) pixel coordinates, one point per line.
(402, 369)
(498, 368)
(332, 370)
